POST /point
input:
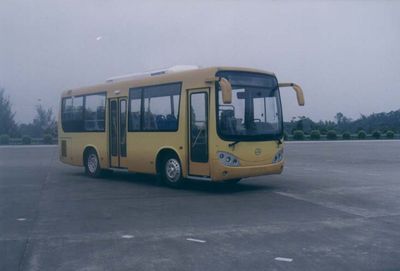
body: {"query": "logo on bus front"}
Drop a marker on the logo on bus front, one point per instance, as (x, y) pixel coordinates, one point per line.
(257, 151)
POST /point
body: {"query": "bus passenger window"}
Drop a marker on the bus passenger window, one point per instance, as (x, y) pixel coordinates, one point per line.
(135, 96)
(72, 114)
(161, 107)
(95, 112)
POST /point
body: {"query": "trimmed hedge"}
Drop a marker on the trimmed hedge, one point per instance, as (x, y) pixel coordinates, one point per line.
(362, 134)
(4, 139)
(376, 134)
(298, 135)
(346, 136)
(331, 135)
(26, 140)
(389, 134)
(315, 135)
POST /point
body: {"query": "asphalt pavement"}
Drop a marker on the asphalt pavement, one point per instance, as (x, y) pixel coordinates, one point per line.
(335, 207)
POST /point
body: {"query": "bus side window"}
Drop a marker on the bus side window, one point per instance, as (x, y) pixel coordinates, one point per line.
(95, 112)
(154, 108)
(135, 108)
(161, 106)
(72, 114)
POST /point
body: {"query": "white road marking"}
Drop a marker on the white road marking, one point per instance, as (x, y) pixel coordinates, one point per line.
(195, 240)
(127, 236)
(281, 259)
(21, 219)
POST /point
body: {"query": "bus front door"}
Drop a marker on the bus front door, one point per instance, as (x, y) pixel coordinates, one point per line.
(117, 108)
(198, 132)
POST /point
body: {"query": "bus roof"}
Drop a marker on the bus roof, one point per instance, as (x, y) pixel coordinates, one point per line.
(176, 73)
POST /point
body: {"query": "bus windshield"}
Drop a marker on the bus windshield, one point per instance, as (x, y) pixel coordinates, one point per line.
(255, 112)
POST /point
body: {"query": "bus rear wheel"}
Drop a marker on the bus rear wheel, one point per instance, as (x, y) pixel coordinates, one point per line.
(171, 171)
(92, 164)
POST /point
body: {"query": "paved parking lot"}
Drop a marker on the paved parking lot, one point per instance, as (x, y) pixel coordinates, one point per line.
(335, 207)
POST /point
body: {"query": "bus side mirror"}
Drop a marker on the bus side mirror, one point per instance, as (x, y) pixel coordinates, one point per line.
(226, 89)
(297, 89)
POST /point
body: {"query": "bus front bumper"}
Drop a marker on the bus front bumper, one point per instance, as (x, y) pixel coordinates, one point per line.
(221, 172)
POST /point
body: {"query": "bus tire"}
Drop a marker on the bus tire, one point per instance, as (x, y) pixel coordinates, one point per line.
(92, 164)
(171, 171)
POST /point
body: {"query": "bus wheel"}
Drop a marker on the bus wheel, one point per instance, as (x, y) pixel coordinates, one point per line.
(92, 164)
(171, 171)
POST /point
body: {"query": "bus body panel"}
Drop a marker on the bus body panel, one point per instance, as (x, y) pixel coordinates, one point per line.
(143, 149)
(76, 143)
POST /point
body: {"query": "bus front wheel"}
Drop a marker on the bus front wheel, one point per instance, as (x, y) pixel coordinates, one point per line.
(171, 171)
(92, 164)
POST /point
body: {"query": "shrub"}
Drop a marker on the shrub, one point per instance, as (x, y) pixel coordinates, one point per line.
(323, 131)
(26, 140)
(4, 139)
(331, 135)
(346, 136)
(362, 134)
(315, 135)
(376, 134)
(47, 139)
(389, 134)
(298, 135)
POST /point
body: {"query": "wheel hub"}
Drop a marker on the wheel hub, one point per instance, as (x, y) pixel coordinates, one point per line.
(92, 163)
(173, 170)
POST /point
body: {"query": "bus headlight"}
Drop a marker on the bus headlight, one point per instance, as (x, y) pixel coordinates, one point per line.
(228, 159)
(278, 156)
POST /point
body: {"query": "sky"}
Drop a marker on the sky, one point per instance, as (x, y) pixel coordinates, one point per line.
(345, 54)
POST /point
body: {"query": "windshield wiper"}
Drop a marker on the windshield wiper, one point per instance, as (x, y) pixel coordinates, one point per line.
(231, 145)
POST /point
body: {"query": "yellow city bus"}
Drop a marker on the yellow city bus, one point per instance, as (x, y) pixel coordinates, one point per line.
(211, 124)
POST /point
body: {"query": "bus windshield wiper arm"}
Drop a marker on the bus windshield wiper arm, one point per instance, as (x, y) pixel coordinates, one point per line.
(233, 143)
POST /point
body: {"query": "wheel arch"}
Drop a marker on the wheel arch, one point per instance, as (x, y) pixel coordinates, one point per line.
(165, 151)
(86, 150)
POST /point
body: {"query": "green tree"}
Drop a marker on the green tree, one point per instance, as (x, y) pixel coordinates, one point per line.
(339, 118)
(44, 122)
(7, 122)
(299, 124)
(343, 122)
